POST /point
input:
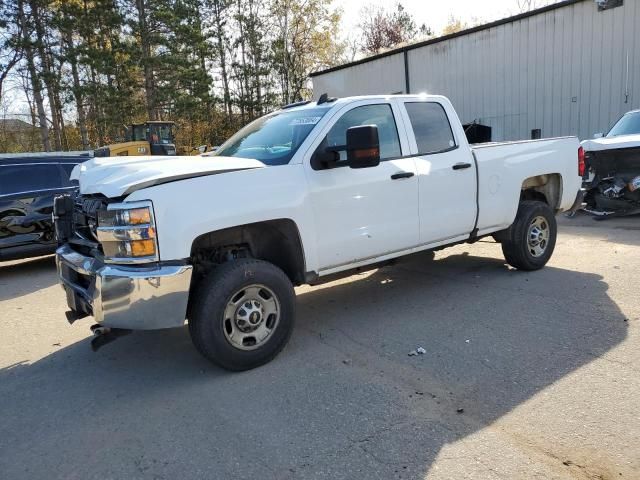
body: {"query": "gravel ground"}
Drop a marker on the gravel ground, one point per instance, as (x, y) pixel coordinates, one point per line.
(525, 375)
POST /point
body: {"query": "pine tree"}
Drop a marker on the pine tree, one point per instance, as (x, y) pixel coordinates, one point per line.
(91, 66)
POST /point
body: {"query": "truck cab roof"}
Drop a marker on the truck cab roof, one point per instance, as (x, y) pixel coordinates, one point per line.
(347, 100)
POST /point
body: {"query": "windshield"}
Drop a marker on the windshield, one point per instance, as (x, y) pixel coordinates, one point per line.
(273, 139)
(629, 124)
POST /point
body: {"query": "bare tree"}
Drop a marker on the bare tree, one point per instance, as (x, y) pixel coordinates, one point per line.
(47, 73)
(528, 5)
(352, 47)
(9, 58)
(145, 44)
(383, 29)
(77, 89)
(304, 42)
(33, 74)
(219, 16)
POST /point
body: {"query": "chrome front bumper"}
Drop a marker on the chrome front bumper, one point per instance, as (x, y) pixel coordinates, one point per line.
(128, 297)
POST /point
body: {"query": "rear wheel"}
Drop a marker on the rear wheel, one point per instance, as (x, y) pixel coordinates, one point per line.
(529, 243)
(243, 314)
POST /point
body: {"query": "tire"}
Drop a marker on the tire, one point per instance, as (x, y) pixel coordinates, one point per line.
(534, 218)
(221, 324)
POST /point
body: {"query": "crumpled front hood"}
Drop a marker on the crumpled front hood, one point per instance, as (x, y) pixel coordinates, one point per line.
(613, 143)
(118, 176)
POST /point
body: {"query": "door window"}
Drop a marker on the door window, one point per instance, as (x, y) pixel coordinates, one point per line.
(28, 178)
(431, 127)
(379, 115)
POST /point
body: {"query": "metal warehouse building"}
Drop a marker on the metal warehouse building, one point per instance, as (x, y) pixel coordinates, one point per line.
(572, 68)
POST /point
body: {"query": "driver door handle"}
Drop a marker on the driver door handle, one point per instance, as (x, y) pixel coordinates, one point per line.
(400, 175)
(461, 166)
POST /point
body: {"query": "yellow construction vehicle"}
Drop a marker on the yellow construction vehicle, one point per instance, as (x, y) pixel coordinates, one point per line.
(148, 138)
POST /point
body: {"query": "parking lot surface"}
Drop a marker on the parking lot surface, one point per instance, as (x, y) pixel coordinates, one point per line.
(525, 375)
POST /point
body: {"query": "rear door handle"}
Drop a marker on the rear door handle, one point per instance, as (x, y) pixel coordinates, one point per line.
(461, 166)
(399, 175)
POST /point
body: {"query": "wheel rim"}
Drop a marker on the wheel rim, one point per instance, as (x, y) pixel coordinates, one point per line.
(538, 238)
(251, 316)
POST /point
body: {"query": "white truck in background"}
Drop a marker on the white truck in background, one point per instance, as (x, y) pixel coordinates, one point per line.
(299, 195)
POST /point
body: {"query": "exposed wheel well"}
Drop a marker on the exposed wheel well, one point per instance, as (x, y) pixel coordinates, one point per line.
(546, 188)
(274, 241)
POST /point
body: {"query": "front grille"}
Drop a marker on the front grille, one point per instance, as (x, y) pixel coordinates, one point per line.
(85, 217)
(85, 223)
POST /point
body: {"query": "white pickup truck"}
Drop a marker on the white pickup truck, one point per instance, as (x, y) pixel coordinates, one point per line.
(297, 196)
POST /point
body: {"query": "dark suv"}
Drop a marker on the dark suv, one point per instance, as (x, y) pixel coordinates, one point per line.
(28, 184)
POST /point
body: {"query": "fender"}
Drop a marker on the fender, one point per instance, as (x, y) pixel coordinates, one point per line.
(190, 209)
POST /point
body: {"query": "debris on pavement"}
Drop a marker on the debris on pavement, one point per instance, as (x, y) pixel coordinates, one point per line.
(417, 351)
(460, 410)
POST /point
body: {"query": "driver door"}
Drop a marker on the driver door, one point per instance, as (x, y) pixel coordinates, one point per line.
(362, 214)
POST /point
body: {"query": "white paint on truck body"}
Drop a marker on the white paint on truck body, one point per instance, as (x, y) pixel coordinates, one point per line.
(503, 167)
(345, 217)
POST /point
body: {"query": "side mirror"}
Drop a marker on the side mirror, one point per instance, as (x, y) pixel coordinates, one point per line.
(363, 147)
(598, 135)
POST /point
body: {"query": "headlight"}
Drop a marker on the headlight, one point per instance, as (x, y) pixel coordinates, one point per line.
(127, 233)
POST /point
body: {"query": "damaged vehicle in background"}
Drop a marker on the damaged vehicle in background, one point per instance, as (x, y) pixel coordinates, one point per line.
(612, 180)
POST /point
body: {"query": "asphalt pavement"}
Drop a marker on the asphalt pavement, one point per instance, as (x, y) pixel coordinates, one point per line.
(525, 376)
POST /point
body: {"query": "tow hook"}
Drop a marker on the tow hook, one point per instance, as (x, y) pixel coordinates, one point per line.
(104, 335)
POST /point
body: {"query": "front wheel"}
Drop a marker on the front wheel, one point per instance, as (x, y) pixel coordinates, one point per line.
(529, 243)
(243, 314)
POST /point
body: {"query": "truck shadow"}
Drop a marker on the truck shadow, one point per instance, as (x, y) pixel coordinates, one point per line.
(342, 400)
(22, 277)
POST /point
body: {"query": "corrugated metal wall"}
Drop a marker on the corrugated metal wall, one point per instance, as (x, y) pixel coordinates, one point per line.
(563, 71)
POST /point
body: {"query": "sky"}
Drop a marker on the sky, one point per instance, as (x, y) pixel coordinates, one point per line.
(435, 13)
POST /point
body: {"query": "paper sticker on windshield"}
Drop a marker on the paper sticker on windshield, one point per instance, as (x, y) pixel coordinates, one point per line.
(305, 121)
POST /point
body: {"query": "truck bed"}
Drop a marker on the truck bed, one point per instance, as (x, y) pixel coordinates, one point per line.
(504, 166)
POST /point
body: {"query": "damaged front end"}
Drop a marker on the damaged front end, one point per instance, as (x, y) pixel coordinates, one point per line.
(613, 183)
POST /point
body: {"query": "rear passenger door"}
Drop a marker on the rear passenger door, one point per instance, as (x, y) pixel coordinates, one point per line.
(446, 172)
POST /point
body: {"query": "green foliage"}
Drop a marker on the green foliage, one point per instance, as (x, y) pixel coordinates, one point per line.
(209, 65)
(306, 41)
